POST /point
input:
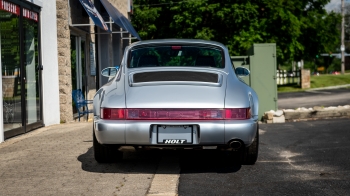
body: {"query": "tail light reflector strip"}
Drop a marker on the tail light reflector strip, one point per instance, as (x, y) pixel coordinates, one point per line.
(175, 114)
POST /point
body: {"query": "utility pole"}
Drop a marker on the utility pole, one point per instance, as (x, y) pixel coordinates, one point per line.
(342, 47)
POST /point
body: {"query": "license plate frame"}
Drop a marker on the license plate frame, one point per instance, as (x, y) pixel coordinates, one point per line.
(175, 133)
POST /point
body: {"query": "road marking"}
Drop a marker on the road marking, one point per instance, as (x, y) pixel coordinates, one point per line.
(166, 180)
(288, 155)
(319, 92)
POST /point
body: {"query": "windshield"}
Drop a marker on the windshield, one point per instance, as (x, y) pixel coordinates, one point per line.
(199, 56)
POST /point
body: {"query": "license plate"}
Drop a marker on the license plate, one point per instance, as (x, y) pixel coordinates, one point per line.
(174, 134)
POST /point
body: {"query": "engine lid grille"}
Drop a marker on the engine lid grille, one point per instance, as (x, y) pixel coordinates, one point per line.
(175, 76)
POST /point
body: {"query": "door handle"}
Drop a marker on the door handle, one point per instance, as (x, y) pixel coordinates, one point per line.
(40, 67)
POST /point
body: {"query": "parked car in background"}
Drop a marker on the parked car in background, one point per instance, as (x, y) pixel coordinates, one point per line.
(179, 94)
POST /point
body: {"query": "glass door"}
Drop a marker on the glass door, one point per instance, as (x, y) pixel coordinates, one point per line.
(10, 67)
(78, 69)
(31, 68)
(21, 73)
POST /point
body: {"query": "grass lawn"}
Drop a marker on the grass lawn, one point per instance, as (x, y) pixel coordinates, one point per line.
(319, 82)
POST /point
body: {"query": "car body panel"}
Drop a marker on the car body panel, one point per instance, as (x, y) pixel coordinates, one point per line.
(144, 132)
(175, 96)
(228, 92)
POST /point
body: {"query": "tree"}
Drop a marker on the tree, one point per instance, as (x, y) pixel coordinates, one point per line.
(300, 28)
(347, 25)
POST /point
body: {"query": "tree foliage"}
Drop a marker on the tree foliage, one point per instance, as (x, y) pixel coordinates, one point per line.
(347, 25)
(300, 28)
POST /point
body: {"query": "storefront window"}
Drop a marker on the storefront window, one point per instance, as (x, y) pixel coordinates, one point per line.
(19, 32)
(10, 65)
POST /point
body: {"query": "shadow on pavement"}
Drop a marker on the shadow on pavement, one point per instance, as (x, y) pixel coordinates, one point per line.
(208, 161)
(133, 162)
(190, 161)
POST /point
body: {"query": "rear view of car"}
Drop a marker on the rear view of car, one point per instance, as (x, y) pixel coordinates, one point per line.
(175, 94)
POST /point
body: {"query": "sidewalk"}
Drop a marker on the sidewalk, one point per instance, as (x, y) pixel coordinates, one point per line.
(58, 160)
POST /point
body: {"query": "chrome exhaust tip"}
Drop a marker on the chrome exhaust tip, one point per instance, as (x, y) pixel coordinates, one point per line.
(235, 145)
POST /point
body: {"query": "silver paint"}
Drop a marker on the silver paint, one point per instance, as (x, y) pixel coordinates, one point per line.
(229, 92)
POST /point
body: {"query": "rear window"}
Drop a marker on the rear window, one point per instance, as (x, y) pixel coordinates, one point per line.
(176, 56)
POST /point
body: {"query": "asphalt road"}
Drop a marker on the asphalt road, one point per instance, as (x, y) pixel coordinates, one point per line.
(304, 158)
(326, 98)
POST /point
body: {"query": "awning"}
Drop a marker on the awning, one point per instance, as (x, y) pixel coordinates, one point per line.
(94, 14)
(119, 19)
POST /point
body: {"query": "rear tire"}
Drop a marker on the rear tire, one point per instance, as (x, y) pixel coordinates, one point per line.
(251, 152)
(106, 153)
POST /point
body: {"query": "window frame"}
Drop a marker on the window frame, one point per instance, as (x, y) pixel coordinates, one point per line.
(129, 57)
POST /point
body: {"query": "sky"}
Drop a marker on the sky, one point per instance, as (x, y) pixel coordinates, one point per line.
(335, 5)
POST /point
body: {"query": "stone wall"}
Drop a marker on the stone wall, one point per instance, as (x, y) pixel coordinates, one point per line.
(64, 63)
(303, 114)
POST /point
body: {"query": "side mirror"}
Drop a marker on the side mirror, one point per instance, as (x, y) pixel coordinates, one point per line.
(109, 71)
(241, 71)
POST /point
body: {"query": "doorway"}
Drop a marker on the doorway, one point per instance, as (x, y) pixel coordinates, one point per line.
(78, 65)
(21, 73)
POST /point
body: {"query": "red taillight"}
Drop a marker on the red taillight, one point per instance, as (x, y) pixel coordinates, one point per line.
(112, 113)
(237, 113)
(175, 114)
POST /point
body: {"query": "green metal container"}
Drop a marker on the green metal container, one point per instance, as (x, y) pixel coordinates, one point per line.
(261, 61)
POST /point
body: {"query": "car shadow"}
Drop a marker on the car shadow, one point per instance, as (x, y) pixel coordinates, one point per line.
(133, 162)
(208, 161)
(189, 161)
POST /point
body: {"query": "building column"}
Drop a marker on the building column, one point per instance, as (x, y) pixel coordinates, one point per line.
(64, 61)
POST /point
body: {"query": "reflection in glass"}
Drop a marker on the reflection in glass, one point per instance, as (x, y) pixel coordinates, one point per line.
(78, 65)
(83, 75)
(10, 68)
(31, 73)
(73, 60)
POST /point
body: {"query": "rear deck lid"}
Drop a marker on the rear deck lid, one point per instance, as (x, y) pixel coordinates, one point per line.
(175, 89)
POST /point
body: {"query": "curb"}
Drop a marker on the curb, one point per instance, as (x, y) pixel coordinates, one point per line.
(303, 114)
(329, 87)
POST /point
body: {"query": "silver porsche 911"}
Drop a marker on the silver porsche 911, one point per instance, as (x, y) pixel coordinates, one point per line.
(175, 93)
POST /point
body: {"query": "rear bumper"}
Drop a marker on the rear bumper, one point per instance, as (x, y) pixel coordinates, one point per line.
(145, 132)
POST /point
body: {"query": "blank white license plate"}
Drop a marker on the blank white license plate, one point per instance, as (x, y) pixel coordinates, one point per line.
(175, 134)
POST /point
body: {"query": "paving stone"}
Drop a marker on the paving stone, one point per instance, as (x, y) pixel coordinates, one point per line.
(58, 160)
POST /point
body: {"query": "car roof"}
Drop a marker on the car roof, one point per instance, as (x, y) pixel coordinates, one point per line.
(176, 41)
